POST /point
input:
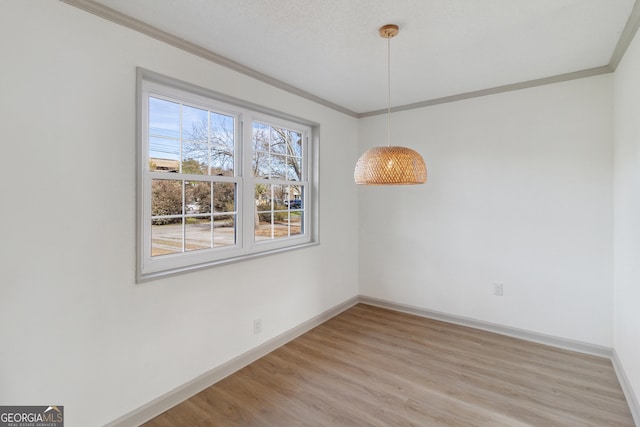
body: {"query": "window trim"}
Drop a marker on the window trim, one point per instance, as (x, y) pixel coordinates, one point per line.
(148, 268)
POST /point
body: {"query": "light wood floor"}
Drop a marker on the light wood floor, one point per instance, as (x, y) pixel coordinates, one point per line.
(374, 367)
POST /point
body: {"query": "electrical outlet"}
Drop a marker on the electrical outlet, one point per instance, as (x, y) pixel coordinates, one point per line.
(498, 289)
(257, 326)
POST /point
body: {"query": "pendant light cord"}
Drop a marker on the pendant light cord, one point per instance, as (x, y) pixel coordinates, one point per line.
(388, 91)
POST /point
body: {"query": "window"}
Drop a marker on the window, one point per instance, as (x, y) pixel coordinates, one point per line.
(219, 180)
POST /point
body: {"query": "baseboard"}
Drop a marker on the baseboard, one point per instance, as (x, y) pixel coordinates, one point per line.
(632, 400)
(172, 398)
(550, 340)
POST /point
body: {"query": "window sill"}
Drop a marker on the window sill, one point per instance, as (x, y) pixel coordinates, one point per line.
(147, 277)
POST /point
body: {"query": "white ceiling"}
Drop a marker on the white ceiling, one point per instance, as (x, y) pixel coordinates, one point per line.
(331, 48)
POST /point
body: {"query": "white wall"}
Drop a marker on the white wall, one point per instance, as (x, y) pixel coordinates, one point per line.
(519, 192)
(74, 328)
(627, 214)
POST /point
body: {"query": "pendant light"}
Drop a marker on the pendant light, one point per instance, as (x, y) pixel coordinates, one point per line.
(390, 165)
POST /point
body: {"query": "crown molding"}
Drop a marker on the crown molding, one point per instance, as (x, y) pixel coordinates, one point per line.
(626, 37)
(494, 90)
(98, 9)
(113, 15)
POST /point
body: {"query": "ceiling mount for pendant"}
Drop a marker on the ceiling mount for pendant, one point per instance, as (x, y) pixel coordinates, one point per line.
(389, 30)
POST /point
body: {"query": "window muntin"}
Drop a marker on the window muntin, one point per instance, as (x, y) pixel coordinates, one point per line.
(185, 140)
(280, 211)
(188, 215)
(279, 172)
(198, 208)
(190, 140)
(277, 152)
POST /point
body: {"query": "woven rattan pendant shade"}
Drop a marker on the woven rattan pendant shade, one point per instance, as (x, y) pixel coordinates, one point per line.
(390, 166)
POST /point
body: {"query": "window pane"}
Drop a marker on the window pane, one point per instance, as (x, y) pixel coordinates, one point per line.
(262, 195)
(278, 169)
(295, 143)
(293, 198)
(263, 232)
(166, 236)
(278, 211)
(222, 144)
(197, 197)
(277, 153)
(278, 140)
(260, 164)
(197, 233)
(224, 197)
(164, 118)
(166, 197)
(195, 124)
(295, 223)
(260, 137)
(296, 216)
(224, 230)
(294, 169)
(164, 154)
(195, 158)
(222, 161)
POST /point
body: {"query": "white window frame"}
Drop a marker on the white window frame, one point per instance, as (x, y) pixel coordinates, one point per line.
(151, 84)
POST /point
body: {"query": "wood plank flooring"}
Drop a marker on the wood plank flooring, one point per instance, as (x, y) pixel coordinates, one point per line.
(374, 367)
